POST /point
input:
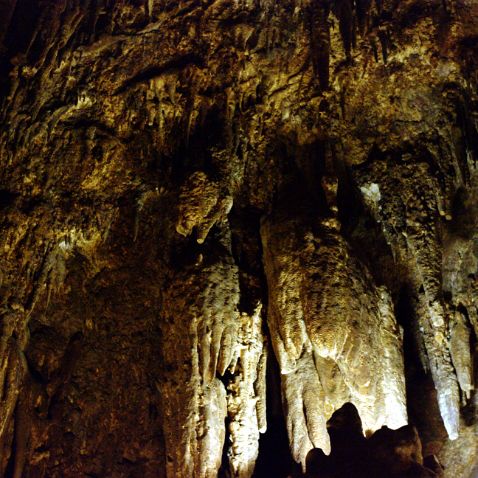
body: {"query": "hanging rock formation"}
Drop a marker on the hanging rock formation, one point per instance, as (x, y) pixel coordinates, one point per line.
(327, 321)
(212, 207)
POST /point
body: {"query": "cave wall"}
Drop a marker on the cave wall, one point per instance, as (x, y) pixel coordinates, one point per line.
(194, 194)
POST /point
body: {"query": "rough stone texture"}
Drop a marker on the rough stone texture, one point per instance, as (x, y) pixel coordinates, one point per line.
(328, 321)
(183, 182)
(211, 338)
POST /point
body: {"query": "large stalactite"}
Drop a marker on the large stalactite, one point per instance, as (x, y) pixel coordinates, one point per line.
(224, 220)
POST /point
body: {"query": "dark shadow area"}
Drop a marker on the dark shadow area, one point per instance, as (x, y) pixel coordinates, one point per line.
(16, 31)
(422, 404)
(274, 458)
(386, 454)
(469, 411)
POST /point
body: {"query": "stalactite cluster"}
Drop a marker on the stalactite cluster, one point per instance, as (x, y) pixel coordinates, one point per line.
(206, 204)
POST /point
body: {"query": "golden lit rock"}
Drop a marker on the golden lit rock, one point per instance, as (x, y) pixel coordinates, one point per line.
(228, 228)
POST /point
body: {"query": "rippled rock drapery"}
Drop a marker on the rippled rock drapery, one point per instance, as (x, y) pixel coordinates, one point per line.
(206, 297)
(192, 190)
(327, 321)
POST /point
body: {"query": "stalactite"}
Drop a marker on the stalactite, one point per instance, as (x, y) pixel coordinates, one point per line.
(362, 8)
(201, 206)
(325, 316)
(423, 249)
(12, 372)
(221, 342)
(460, 353)
(246, 396)
(190, 424)
(169, 206)
(343, 10)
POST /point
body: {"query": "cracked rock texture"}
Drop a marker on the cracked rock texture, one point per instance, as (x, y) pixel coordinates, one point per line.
(222, 220)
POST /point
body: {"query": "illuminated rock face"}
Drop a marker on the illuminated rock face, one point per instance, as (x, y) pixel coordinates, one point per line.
(211, 207)
(328, 321)
(211, 339)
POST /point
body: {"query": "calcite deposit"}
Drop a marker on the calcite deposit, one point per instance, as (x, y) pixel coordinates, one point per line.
(328, 321)
(223, 223)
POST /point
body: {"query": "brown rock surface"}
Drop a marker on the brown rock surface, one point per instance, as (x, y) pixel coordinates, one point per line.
(193, 189)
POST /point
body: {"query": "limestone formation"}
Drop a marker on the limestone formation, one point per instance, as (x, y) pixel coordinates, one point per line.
(327, 321)
(222, 220)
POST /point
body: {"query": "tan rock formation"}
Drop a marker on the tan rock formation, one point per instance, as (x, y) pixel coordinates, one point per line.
(193, 190)
(328, 321)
